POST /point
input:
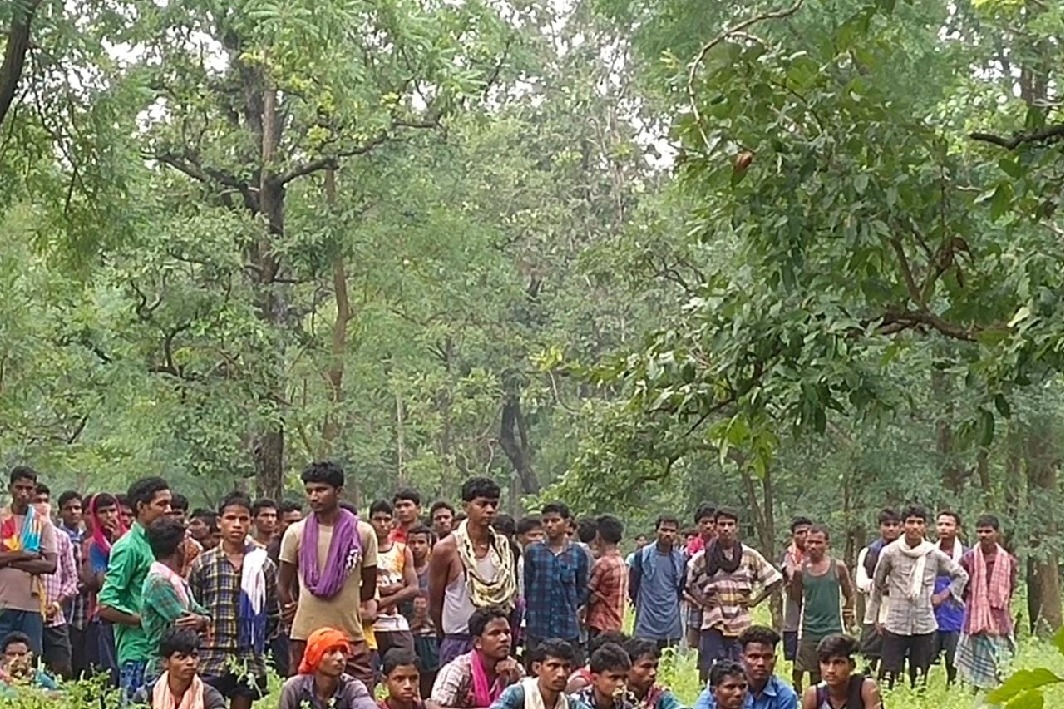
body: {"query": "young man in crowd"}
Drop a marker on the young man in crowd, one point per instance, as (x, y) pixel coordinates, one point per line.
(322, 682)
(609, 667)
(642, 678)
(288, 514)
(766, 690)
(949, 611)
(556, 576)
(166, 600)
(426, 645)
(792, 607)
(907, 570)
(396, 582)
(199, 525)
(401, 670)
(706, 531)
(264, 521)
(121, 598)
(871, 640)
(987, 635)
(722, 581)
(489, 660)
(841, 686)
(728, 685)
(529, 531)
(826, 596)
(192, 548)
(180, 686)
(322, 582)
(552, 661)
(609, 580)
(125, 511)
(59, 589)
(471, 568)
(655, 585)
(640, 542)
(28, 550)
(442, 515)
(18, 668)
(76, 609)
(406, 513)
(237, 584)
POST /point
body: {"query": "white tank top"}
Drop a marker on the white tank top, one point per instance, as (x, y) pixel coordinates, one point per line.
(456, 604)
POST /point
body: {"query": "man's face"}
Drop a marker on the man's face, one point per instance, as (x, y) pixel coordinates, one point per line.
(641, 540)
(730, 692)
(125, 513)
(836, 671)
(407, 511)
(610, 683)
(235, 521)
(382, 524)
(644, 673)
(799, 534)
(707, 527)
(480, 511)
(759, 660)
(495, 641)
(442, 522)
(946, 527)
(108, 517)
(42, 504)
(18, 659)
(402, 683)
(322, 497)
(667, 532)
(890, 530)
(555, 526)
(199, 529)
(182, 666)
(71, 513)
(553, 672)
(266, 521)
(419, 546)
(333, 662)
(22, 490)
(178, 514)
(915, 530)
(288, 519)
(158, 507)
(214, 537)
(987, 536)
(816, 545)
(726, 529)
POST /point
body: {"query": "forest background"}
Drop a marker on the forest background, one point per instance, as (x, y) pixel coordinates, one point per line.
(799, 259)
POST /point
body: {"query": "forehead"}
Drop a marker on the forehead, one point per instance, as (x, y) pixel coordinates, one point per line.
(23, 483)
(235, 511)
(417, 537)
(913, 519)
(404, 501)
(381, 515)
(19, 648)
(442, 512)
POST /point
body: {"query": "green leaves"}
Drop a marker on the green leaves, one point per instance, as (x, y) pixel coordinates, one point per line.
(1022, 690)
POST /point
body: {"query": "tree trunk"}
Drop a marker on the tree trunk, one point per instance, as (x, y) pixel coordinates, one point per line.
(1043, 578)
(513, 438)
(400, 444)
(18, 43)
(330, 431)
(952, 473)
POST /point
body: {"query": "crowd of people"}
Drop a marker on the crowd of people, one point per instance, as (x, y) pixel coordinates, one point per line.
(471, 609)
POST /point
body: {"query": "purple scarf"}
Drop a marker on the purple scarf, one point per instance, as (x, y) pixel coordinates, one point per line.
(345, 548)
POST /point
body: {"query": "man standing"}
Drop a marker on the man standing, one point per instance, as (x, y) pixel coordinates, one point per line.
(406, 507)
(426, 644)
(792, 608)
(120, 599)
(949, 611)
(706, 522)
(471, 568)
(987, 635)
(723, 578)
(609, 580)
(442, 514)
(28, 549)
(871, 640)
(655, 585)
(819, 585)
(556, 576)
(328, 568)
(289, 513)
(263, 521)
(906, 570)
(76, 611)
(766, 690)
(396, 582)
(190, 548)
(59, 589)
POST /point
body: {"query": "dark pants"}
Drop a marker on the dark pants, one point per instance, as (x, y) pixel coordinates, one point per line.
(279, 652)
(359, 662)
(56, 651)
(920, 649)
(453, 645)
(946, 648)
(28, 622)
(101, 645)
(714, 646)
(79, 651)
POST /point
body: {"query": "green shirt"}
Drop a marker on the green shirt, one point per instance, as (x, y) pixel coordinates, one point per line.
(123, 589)
(162, 606)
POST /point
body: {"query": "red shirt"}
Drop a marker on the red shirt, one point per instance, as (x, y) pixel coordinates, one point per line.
(609, 578)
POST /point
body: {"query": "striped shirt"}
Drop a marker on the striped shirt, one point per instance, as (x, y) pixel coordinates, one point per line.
(728, 592)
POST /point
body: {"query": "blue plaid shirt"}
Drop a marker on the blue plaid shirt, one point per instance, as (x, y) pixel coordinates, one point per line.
(555, 587)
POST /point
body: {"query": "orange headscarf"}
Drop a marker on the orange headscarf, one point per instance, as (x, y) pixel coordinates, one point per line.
(319, 643)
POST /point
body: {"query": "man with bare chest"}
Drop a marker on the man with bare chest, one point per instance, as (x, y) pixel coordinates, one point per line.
(471, 568)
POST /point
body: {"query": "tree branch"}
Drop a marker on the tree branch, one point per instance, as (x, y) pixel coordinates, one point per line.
(18, 43)
(1040, 136)
(907, 272)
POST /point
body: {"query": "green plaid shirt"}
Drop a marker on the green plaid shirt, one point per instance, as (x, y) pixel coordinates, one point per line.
(216, 584)
(161, 607)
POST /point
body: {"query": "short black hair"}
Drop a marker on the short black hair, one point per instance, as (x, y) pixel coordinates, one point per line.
(917, 511)
(67, 496)
(407, 493)
(234, 499)
(556, 508)
(16, 636)
(607, 636)
(478, 622)
(324, 471)
(349, 506)
(22, 472)
(399, 657)
(179, 641)
(420, 529)
(289, 506)
(706, 509)
(836, 645)
(667, 519)
(201, 513)
(760, 634)
(889, 514)
(178, 502)
(103, 500)
(800, 521)
(480, 487)
(950, 513)
(727, 513)
(143, 491)
(528, 523)
(505, 525)
(587, 529)
(988, 521)
(441, 505)
(165, 535)
(380, 506)
(642, 647)
(263, 503)
(611, 657)
(122, 499)
(820, 529)
(725, 668)
(552, 648)
(43, 489)
(610, 528)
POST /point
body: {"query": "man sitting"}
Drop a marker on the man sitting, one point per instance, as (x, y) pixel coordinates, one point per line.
(551, 662)
(643, 689)
(179, 686)
(610, 665)
(841, 686)
(767, 691)
(401, 669)
(476, 679)
(727, 681)
(322, 682)
(17, 668)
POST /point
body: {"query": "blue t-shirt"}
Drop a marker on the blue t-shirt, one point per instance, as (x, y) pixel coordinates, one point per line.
(775, 695)
(950, 614)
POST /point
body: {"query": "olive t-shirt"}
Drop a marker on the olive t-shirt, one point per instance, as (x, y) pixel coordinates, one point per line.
(340, 611)
(20, 591)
